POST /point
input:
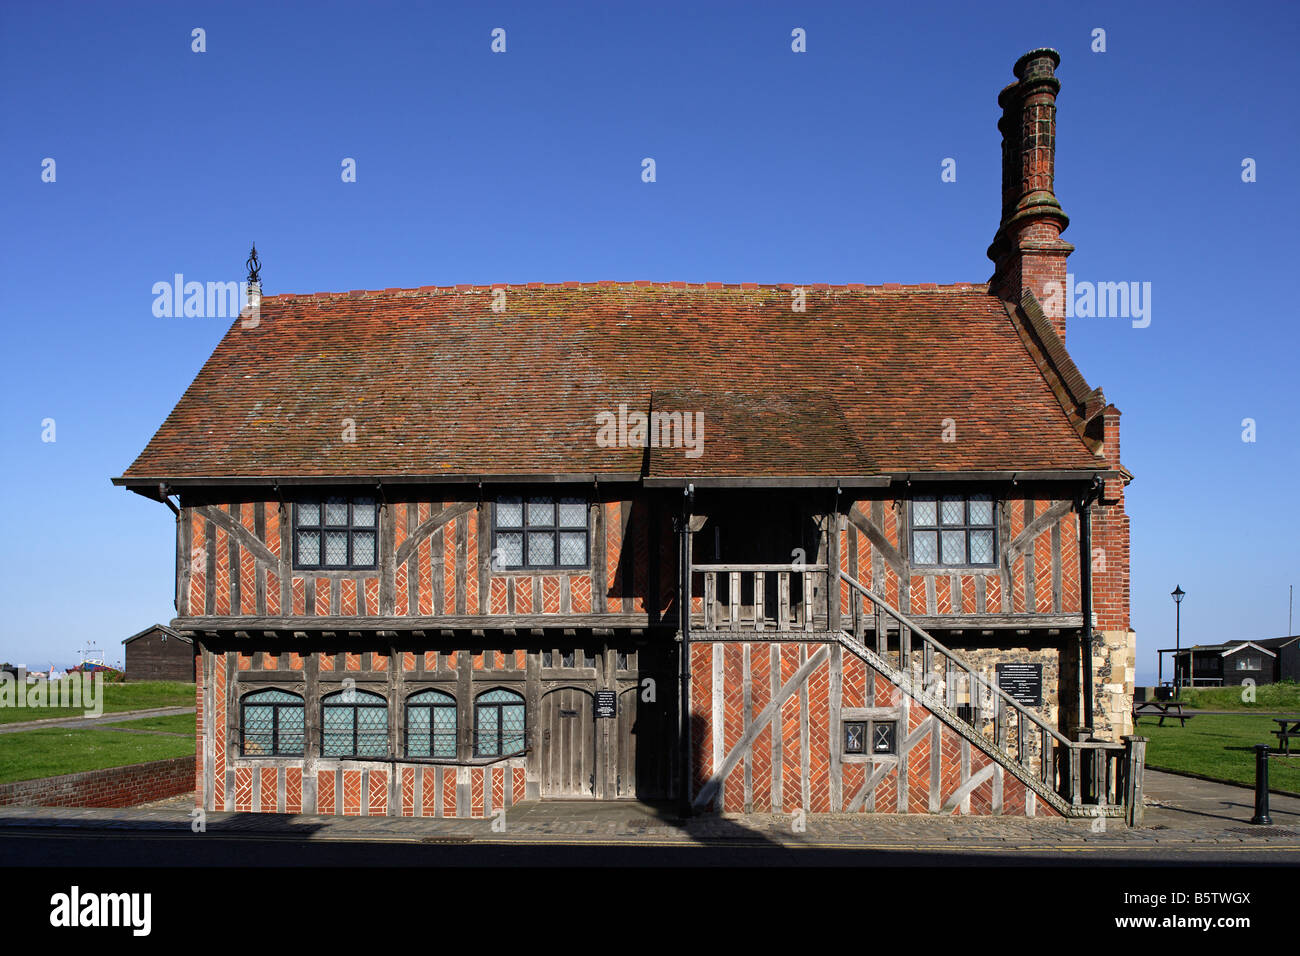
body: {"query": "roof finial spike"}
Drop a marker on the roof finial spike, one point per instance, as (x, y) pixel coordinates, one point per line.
(254, 266)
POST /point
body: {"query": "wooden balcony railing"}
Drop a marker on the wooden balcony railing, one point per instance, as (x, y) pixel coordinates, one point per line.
(759, 597)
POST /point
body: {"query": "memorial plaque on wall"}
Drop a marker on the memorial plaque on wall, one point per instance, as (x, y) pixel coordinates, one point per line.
(1024, 682)
(606, 703)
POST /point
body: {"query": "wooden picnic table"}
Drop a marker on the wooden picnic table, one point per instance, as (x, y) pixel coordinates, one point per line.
(1288, 727)
(1164, 708)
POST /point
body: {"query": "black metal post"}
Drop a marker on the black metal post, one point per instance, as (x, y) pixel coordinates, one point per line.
(1178, 594)
(684, 651)
(1178, 643)
(1085, 634)
(1261, 785)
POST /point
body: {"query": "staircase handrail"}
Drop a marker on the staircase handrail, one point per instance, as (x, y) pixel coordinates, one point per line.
(926, 636)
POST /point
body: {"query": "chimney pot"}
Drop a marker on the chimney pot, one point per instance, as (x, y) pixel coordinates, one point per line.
(1027, 251)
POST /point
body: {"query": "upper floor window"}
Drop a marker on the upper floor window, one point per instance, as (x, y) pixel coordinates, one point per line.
(335, 533)
(540, 532)
(354, 723)
(271, 724)
(953, 530)
(498, 724)
(431, 724)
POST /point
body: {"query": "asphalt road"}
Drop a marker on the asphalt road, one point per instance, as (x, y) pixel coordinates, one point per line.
(90, 848)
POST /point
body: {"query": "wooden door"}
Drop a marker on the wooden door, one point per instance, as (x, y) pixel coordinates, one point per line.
(646, 730)
(568, 743)
(624, 762)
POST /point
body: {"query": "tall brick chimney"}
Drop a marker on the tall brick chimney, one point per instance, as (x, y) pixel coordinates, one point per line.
(1028, 252)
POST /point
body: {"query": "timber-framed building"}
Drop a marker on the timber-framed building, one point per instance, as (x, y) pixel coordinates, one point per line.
(751, 548)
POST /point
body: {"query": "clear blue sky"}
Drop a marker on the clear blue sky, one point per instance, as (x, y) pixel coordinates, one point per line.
(772, 167)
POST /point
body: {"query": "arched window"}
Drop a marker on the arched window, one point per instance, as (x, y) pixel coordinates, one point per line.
(431, 724)
(498, 724)
(271, 724)
(354, 723)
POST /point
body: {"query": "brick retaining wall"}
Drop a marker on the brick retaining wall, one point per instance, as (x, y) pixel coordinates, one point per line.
(113, 787)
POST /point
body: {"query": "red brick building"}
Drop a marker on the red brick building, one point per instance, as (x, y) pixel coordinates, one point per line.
(773, 548)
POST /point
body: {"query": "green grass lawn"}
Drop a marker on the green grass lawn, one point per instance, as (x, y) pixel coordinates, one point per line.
(1220, 747)
(1284, 698)
(51, 751)
(140, 695)
(175, 723)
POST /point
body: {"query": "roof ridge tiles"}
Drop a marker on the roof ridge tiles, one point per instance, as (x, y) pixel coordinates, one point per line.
(676, 285)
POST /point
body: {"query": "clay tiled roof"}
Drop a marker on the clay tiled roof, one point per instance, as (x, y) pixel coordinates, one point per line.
(791, 433)
(438, 385)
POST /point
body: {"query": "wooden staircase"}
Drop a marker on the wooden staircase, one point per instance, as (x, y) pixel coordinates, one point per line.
(1077, 778)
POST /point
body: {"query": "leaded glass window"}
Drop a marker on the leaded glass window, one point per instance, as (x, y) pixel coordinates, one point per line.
(336, 533)
(272, 724)
(954, 531)
(431, 724)
(354, 723)
(498, 724)
(540, 531)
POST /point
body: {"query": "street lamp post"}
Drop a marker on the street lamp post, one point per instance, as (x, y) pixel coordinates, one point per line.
(1177, 594)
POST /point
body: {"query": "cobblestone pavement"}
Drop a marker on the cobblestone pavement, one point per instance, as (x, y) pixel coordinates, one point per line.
(1181, 813)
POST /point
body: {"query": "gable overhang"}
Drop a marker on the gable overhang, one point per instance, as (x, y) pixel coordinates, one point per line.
(168, 631)
(1242, 647)
(1219, 650)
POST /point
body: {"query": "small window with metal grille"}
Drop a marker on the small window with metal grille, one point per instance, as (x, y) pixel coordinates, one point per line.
(870, 737)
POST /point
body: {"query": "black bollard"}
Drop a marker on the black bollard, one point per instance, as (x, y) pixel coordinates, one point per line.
(1261, 785)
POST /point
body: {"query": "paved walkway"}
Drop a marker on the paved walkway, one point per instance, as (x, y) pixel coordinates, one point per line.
(1180, 802)
(99, 721)
(1182, 816)
(1241, 713)
(138, 730)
